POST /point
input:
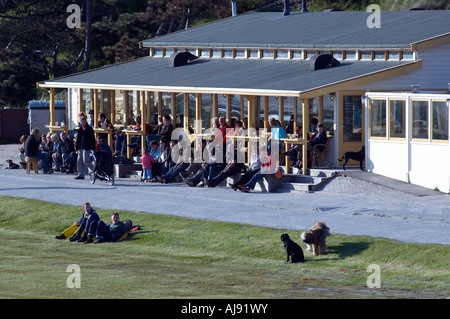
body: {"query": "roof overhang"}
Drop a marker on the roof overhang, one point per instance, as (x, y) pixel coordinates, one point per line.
(240, 77)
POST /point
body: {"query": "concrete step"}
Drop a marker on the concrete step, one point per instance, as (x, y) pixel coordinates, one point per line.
(122, 170)
(305, 183)
(134, 174)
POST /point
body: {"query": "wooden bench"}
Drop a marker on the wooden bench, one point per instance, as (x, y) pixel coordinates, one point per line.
(32, 163)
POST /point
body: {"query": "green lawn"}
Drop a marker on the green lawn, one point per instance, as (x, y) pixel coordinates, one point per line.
(173, 257)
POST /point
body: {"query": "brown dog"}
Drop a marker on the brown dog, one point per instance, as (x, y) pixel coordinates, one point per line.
(316, 237)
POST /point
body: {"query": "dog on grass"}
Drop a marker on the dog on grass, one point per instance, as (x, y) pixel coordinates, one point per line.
(315, 238)
(357, 156)
(293, 250)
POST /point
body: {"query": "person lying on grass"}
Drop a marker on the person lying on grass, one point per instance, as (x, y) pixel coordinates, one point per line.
(111, 232)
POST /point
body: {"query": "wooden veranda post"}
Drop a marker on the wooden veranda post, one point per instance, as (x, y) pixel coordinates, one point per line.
(198, 114)
(305, 125)
(52, 107)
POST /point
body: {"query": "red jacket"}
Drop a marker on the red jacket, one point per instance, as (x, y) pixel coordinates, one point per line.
(147, 161)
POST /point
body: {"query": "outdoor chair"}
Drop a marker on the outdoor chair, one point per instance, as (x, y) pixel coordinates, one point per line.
(318, 154)
(32, 163)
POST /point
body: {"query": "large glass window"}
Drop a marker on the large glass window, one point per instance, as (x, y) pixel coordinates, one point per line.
(378, 118)
(397, 119)
(420, 119)
(352, 118)
(440, 120)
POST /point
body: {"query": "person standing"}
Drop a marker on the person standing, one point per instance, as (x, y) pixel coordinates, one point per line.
(85, 143)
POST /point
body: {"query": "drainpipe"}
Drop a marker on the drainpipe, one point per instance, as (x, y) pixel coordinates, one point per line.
(233, 8)
(286, 11)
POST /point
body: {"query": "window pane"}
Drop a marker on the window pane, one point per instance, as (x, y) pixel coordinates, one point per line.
(366, 55)
(350, 55)
(420, 119)
(352, 118)
(158, 52)
(378, 118)
(268, 54)
(282, 54)
(240, 53)
(397, 118)
(228, 53)
(440, 120)
(380, 55)
(297, 54)
(253, 54)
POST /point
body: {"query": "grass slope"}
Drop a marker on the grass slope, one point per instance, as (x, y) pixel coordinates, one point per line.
(173, 257)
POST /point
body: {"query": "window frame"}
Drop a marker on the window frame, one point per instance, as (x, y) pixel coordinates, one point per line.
(374, 137)
(431, 112)
(418, 139)
(389, 118)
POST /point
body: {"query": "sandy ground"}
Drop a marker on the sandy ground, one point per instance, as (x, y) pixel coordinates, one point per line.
(348, 205)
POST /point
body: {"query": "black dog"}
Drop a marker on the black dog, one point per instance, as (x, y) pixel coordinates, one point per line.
(12, 165)
(357, 156)
(292, 249)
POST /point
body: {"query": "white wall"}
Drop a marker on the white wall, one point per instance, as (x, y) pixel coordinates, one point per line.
(425, 163)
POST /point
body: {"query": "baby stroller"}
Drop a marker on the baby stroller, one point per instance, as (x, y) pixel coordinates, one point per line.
(104, 167)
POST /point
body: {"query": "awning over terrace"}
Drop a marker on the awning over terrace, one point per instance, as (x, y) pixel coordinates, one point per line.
(234, 76)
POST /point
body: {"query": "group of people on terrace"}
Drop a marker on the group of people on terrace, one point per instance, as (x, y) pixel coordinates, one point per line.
(170, 156)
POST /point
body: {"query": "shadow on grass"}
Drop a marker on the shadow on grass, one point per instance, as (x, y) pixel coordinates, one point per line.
(344, 250)
(139, 232)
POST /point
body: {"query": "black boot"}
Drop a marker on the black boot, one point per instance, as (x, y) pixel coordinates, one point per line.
(60, 236)
(82, 239)
(74, 237)
(90, 240)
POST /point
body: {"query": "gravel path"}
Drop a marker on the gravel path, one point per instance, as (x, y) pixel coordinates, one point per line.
(348, 205)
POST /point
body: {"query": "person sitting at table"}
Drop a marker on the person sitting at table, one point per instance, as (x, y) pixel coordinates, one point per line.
(135, 144)
(166, 131)
(277, 133)
(319, 138)
(103, 122)
(295, 153)
(91, 117)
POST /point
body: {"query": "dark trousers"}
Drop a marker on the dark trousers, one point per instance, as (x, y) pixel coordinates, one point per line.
(245, 178)
(103, 232)
(213, 182)
(89, 227)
